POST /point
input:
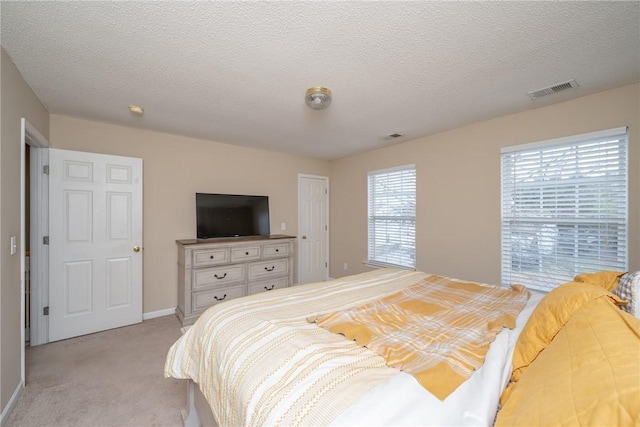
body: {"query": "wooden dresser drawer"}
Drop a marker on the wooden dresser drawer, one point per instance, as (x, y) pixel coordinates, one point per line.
(210, 257)
(204, 299)
(268, 285)
(275, 250)
(276, 267)
(248, 253)
(215, 276)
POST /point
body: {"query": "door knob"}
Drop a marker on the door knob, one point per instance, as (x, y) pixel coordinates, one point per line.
(136, 249)
(304, 237)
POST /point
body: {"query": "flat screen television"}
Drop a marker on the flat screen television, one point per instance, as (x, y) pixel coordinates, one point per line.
(231, 215)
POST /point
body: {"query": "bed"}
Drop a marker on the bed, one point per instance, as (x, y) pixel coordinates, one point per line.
(263, 360)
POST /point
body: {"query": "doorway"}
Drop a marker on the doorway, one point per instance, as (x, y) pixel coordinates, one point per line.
(33, 224)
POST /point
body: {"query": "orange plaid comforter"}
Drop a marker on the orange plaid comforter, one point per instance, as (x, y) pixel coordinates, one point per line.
(438, 330)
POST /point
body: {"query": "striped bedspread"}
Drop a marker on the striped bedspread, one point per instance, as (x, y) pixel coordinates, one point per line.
(258, 361)
(439, 330)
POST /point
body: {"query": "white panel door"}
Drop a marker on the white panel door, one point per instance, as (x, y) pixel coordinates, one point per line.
(313, 229)
(95, 240)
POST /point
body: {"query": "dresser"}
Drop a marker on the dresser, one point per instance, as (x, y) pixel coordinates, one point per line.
(215, 270)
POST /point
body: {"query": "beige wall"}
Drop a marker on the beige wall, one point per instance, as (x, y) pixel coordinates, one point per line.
(177, 167)
(458, 192)
(18, 101)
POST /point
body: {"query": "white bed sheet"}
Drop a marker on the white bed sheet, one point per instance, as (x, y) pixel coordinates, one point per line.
(402, 401)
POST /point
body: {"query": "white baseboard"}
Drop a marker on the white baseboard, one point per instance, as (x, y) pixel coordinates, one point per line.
(159, 313)
(6, 411)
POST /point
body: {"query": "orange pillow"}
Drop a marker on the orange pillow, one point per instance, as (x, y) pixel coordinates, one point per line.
(589, 374)
(549, 317)
(606, 279)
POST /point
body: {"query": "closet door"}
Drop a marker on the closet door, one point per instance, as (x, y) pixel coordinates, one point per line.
(313, 228)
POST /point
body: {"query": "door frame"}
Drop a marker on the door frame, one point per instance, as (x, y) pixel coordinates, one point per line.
(39, 259)
(302, 176)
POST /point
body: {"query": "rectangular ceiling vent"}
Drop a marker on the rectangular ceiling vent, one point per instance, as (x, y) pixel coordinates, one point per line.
(553, 89)
(392, 136)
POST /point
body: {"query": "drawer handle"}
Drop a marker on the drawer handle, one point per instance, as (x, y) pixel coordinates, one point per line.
(220, 299)
(221, 277)
(211, 257)
(270, 269)
(277, 250)
(269, 289)
(246, 253)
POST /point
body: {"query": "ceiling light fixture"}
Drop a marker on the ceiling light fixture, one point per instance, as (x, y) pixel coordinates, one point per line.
(136, 109)
(318, 98)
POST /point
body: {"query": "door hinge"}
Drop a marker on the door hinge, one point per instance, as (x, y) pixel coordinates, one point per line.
(325, 228)
(45, 311)
(45, 240)
(326, 265)
(325, 191)
(45, 169)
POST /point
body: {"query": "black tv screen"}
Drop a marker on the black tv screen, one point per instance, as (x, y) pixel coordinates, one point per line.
(230, 215)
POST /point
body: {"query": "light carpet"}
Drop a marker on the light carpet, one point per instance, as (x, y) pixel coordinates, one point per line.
(111, 378)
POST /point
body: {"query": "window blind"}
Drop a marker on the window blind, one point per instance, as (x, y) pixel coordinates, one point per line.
(564, 209)
(392, 216)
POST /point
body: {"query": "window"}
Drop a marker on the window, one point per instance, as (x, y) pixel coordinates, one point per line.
(564, 208)
(392, 217)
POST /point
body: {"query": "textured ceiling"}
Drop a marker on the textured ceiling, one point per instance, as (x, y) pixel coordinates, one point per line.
(236, 72)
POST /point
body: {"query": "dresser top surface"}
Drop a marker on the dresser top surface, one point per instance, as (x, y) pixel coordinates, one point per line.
(188, 242)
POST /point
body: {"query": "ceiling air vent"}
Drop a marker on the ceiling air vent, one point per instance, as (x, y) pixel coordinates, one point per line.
(392, 137)
(552, 89)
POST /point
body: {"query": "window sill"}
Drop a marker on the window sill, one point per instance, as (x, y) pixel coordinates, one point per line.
(377, 264)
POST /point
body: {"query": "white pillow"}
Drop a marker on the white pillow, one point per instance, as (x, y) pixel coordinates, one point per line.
(629, 290)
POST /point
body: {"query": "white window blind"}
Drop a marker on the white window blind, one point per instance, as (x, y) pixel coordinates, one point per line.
(392, 216)
(564, 209)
